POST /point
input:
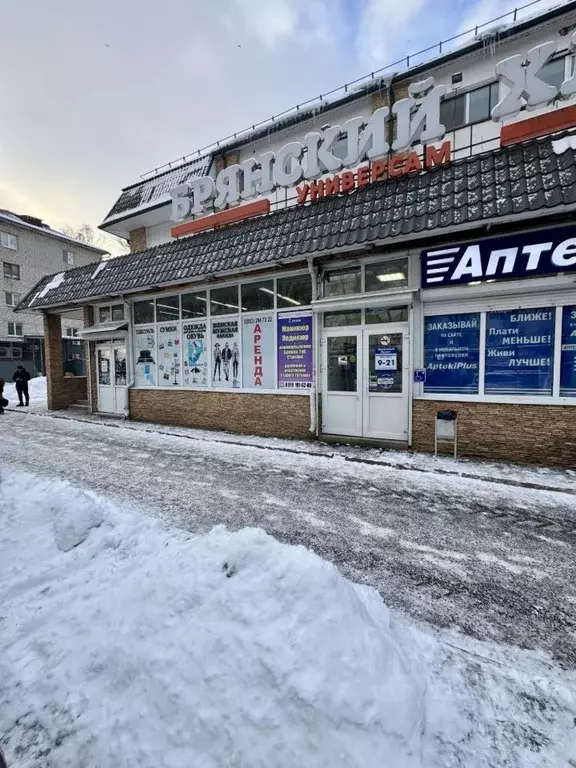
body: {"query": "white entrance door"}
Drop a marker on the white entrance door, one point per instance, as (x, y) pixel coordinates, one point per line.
(365, 382)
(342, 385)
(386, 363)
(111, 368)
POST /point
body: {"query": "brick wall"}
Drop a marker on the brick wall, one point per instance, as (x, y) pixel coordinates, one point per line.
(62, 390)
(538, 434)
(137, 240)
(267, 415)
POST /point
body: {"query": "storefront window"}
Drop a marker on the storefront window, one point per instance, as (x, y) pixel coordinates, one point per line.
(145, 356)
(452, 353)
(167, 309)
(168, 353)
(342, 317)
(294, 291)
(226, 353)
(194, 305)
(257, 296)
(104, 314)
(224, 301)
(294, 340)
(258, 366)
(117, 312)
(386, 315)
(342, 282)
(519, 352)
(568, 358)
(144, 312)
(385, 363)
(386, 274)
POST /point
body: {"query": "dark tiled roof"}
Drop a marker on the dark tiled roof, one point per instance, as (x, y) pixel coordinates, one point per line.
(512, 180)
(150, 191)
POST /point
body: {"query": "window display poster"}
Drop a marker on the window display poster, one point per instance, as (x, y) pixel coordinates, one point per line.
(169, 369)
(519, 352)
(295, 341)
(568, 357)
(195, 354)
(452, 353)
(145, 357)
(258, 351)
(225, 353)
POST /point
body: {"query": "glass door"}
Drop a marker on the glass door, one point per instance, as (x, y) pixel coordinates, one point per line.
(386, 395)
(342, 374)
(106, 394)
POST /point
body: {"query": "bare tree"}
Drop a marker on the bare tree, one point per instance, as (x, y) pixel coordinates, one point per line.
(86, 234)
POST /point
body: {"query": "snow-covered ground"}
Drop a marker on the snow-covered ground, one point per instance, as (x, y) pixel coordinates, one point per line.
(126, 642)
(36, 390)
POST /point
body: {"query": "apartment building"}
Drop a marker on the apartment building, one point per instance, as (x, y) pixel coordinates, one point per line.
(402, 246)
(30, 249)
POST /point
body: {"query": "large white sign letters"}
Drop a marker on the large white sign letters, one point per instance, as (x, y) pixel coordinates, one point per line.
(417, 120)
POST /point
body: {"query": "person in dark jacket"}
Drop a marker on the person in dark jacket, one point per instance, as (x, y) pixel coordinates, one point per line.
(2, 401)
(21, 379)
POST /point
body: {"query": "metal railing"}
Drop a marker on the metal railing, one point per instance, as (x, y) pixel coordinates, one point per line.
(325, 98)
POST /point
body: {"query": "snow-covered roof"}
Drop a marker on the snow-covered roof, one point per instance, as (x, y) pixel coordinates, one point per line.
(46, 230)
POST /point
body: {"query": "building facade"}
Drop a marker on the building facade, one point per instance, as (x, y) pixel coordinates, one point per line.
(352, 269)
(30, 250)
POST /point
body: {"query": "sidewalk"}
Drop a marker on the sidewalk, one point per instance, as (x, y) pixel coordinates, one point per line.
(540, 478)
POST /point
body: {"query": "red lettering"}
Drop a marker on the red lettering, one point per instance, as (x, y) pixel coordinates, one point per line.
(317, 190)
(396, 165)
(257, 349)
(348, 181)
(258, 371)
(258, 360)
(379, 169)
(333, 185)
(302, 193)
(414, 163)
(363, 175)
(438, 156)
(257, 382)
(257, 329)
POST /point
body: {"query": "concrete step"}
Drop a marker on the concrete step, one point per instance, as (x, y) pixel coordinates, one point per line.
(79, 406)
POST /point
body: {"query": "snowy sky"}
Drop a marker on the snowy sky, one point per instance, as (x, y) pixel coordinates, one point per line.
(96, 93)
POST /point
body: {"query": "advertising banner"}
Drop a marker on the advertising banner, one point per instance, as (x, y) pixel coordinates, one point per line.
(295, 343)
(258, 351)
(513, 257)
(169, 368)
(195, 354)
(519, 352)
(225, 353)
(568, 359)
(145, 357)
(452, 353)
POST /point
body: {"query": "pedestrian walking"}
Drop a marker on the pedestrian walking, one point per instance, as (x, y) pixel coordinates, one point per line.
(21, 379)
(3, 404)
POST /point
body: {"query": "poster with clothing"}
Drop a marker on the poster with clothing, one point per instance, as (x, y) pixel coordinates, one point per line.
(195, 354)
(145, 356)
(169, 368)
(225, 353)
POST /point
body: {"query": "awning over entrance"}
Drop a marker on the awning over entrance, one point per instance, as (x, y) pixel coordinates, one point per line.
(104, 331)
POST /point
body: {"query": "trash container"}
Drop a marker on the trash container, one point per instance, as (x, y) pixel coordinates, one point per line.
(446, 429)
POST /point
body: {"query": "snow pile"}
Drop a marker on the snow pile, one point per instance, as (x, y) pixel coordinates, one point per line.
(36, 390)
(123, 643)
(564, 144)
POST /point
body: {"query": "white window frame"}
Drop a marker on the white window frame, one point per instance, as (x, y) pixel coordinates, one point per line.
(495, 303)
(109, 306)
(67, 255)
(71, 333)
(16, 298)
(208, 318)
(8, 240)
(15, 327)
(11, 264)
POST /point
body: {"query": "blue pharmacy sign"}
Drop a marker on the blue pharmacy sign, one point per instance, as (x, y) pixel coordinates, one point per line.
(568, 356)
(452, 353)
(519, 352)
(513, 257)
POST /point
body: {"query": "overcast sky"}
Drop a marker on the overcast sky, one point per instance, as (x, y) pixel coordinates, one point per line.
(95, 93)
